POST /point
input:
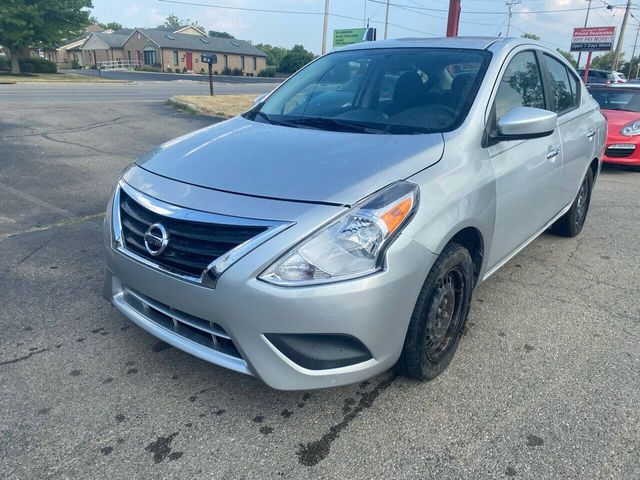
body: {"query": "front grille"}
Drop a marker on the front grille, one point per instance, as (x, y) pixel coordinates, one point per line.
(207, 334)
(192, 245)
(619, 152)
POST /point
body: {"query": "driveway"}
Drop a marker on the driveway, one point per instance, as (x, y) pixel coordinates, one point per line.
(545, 383)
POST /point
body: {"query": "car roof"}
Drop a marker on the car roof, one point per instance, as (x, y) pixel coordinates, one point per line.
(476, 43)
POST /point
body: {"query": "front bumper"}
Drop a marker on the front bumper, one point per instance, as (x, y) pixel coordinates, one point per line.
(374, 310)
(615, 156)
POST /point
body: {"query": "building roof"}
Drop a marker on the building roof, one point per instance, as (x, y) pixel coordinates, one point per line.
(183, 41)
(116, 39)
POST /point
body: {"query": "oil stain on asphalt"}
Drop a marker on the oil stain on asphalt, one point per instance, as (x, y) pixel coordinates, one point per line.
(312, 453)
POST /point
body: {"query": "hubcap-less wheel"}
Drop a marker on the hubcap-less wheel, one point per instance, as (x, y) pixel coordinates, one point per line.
(444, 316)
(582, 203)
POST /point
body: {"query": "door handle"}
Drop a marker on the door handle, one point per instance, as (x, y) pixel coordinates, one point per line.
(553, 151)
(591, 134)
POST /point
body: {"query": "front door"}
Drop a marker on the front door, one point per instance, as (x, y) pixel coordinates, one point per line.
(189, 61)
(527, 172)
(576, 124)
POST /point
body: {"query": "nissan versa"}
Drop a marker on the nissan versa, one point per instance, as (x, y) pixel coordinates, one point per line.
(339, 226)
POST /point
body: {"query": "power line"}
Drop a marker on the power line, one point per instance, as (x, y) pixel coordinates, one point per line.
(491, 12)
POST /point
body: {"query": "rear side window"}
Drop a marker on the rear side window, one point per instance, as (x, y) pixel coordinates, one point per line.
(563, 85)
(521, 85)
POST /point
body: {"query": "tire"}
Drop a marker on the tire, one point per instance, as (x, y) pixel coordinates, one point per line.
(571, 223)
(443, 303)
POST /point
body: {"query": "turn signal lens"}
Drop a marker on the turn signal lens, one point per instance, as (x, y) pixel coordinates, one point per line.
(351, 246)
(393, 218)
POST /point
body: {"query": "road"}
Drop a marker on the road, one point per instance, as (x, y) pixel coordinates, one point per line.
(168, 77)
(53, 94)
(545, 383)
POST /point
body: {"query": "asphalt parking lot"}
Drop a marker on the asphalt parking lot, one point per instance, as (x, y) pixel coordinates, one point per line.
(545, 383)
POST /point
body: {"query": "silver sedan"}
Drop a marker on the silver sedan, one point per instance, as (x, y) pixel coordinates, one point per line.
(339, 227)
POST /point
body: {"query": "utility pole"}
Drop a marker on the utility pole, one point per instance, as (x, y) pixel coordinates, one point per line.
(386, 21)
(510, 4)
(324, 27)
(634, 51)
(586, 20)
(364, 18)
(453, 20)
(616, 58)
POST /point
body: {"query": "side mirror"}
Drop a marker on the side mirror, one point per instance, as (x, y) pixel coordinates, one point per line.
(259, 99)
(521, 123)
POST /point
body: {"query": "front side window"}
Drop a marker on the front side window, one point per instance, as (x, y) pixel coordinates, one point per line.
(176, 60)
(149, 57)
(242, 63)
(563, 88)
(521, 85)
(392, 91)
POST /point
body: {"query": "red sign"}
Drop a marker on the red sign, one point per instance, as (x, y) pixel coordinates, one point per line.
(590, 39)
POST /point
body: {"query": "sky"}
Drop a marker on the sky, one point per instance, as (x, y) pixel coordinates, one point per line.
(407, 18)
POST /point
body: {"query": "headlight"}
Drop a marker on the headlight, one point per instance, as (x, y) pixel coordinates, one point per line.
(631, 130)
(351, 246)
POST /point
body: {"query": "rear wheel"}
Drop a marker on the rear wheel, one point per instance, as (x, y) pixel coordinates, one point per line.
(439, 315)
(571, 223)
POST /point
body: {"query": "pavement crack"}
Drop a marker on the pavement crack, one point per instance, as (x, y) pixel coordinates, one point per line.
(33, 252)
(63, 223)
(25, 357)
(312, 453)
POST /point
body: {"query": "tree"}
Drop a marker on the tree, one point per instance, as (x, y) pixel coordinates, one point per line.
(274, 54)
(631, 67)
(39, 23)
(295, 59)
(107, 26)
(604, 62)
(175, 21)
(530, 36)
(115, 26)
(568, 56)
(216, 34)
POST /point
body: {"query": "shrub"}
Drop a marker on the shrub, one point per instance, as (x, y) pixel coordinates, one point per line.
(236, 72)
(92, 67)
(215, 72)
(168, 70)
(150, 68)
(202, 70)
(267, 72)
(4, 64)
(226, 71)
(157, 65)
(75, 64)
(37, 65)
(184, 69)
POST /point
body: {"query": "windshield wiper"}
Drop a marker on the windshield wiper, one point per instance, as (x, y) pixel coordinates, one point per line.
(323, 123)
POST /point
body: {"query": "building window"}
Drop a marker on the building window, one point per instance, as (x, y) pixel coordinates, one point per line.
(176, 61)
(255, 63)
(242, 63)
(226, 61)
(149, 57)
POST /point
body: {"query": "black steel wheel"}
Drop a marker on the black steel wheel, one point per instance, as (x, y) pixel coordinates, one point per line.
(439, 315)
(571, 223)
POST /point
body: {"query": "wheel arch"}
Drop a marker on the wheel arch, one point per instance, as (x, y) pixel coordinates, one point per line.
(472, 239)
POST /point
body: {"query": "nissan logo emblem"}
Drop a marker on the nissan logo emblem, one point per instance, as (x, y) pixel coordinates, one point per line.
(156, 239)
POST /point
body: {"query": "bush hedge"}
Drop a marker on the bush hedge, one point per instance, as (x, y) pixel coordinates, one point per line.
(37, 65)
(267, 72)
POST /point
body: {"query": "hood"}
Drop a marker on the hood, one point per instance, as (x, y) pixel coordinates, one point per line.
(258, 159)
(619, 118)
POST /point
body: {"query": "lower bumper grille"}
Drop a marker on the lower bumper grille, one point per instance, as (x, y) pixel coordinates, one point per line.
(207, 334)
(619, 152)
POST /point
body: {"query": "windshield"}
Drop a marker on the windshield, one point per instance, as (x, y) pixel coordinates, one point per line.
(610, 99)
(393, 91)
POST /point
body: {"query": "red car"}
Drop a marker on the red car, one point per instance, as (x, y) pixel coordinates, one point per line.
(621, 106)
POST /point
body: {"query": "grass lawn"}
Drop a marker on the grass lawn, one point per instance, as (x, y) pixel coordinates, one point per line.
(219, 105)
(54, 77)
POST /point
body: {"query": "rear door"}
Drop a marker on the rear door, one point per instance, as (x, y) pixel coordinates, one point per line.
(527, 172)
(575, 123)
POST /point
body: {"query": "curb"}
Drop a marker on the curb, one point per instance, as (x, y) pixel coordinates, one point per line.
(184, 106)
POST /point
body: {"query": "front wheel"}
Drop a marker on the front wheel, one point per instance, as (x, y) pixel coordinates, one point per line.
(439, 315)
(571, 223)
